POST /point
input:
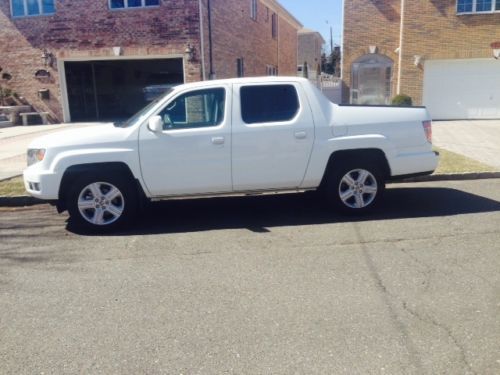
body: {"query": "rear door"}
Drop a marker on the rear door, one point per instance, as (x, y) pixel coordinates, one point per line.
(272, 136)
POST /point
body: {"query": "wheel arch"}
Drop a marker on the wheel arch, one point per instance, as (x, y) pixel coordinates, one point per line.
(75, 171)
(374, 155)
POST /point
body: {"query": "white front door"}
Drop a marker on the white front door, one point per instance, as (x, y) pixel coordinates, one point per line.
(192, 155)
(273, 135)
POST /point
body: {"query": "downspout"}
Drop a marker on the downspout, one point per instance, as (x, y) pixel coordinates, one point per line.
(210, 53)
(278, 42)
(400, 57)
(202, 41)
(342, 43)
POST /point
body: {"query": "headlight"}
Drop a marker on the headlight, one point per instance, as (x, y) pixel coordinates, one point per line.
(35, 155)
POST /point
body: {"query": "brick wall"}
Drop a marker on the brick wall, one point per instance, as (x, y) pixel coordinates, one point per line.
(236, 35)
(432, 30)
(87, 28)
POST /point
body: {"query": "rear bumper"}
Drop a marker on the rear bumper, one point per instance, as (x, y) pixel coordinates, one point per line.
(415, 164)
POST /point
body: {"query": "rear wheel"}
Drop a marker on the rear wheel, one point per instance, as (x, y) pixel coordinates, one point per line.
(99, 203)
(355, 187)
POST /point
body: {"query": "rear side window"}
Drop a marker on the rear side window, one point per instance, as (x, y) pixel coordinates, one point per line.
(271, 103)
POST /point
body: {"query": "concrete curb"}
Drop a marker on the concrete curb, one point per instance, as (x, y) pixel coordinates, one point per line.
(454, 177)
(20, 201)
(25, 200)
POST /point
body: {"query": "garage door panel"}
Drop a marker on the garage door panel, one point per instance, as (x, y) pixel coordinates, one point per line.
(462, 89)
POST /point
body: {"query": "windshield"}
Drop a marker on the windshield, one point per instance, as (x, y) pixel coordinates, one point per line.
(143, 112)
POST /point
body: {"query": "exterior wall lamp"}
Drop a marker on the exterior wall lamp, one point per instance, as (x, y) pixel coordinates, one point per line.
(495, 46)
(418, 60)
(190, 52)
(47, 58)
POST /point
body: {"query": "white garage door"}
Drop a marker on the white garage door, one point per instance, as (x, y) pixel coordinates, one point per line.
(462, 89)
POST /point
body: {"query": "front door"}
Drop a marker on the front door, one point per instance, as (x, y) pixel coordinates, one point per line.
(273, 135)
(192, 154)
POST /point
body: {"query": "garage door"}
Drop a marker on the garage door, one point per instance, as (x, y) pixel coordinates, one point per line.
(116, 89)
(462, 89)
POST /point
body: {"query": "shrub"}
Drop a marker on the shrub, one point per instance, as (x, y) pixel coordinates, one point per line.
(402, 100)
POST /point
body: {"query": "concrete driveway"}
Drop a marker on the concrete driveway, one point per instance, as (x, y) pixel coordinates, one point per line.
(476, 139)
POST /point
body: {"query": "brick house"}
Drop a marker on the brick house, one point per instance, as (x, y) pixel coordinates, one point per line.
(104, 59)
(439, 52)
(309, 51)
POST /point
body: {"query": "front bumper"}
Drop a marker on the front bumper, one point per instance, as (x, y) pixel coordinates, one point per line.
(41, 184)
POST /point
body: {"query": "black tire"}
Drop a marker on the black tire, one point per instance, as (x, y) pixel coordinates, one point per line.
(101, 203)
(354, 187)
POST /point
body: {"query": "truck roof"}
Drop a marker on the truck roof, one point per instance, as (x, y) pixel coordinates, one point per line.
(263, 79)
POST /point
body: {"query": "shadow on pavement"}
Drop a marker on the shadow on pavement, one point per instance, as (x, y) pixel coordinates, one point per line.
(257, 213)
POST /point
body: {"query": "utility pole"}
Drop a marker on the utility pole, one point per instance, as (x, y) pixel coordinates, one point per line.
(331, 40)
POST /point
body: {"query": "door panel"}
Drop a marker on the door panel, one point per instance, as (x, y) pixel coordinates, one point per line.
(272, 142)
(193, 153)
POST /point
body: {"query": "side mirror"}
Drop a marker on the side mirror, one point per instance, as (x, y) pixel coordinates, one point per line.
(155, 124)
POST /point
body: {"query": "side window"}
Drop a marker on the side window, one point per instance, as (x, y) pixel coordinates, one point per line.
(22, 8)
(196, 109)
(271, 103)
(253, 9)
(122, 4)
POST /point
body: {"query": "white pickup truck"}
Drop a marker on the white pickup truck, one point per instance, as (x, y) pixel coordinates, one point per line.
(237, 136)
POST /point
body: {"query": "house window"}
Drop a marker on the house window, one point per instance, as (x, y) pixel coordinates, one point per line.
(240, 67)
(253, 9)
(271, 70)
(121, 4)
(272, 103)
(274, 25)
(22, 8)
(477, 6)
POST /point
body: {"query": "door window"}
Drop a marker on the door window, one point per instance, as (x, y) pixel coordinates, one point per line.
(196, 109)
(269, 103)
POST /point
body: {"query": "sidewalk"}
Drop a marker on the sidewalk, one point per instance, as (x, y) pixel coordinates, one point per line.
(15, 140)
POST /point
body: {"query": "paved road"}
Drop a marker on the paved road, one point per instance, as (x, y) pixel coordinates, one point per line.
(269, 285)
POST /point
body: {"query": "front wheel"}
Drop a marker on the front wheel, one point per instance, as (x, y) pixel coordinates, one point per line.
(99, 203)
(355, 188)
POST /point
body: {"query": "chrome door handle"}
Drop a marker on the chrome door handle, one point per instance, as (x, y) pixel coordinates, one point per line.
(300, 135)
(218, 140)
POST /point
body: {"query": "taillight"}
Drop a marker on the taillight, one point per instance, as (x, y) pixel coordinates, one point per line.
(428, 130)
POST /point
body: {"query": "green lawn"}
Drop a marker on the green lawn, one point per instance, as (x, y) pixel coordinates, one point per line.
(12, 187)
(449, 162)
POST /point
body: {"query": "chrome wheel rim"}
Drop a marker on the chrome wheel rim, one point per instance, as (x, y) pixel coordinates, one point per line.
(358, 188)
(101, 203)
